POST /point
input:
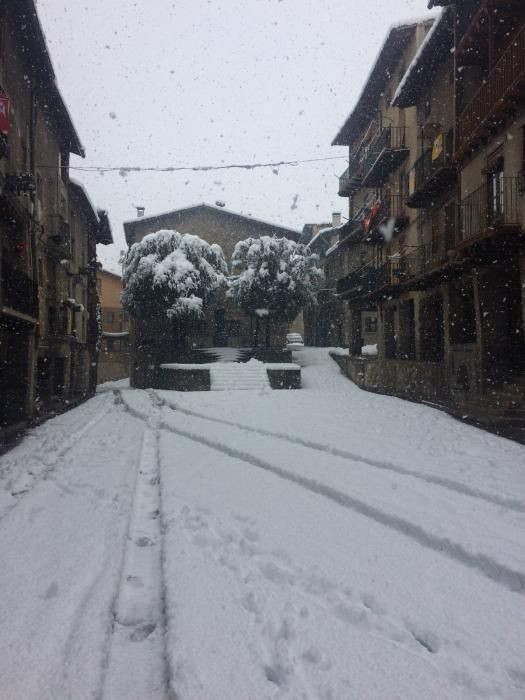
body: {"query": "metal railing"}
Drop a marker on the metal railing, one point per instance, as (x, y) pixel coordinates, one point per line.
(393, 206)
(345, 182)
(506, 75)
(389, 138)
(363, 159)
(362, 281)
(430, 161)
(19, 291)
(495, 204)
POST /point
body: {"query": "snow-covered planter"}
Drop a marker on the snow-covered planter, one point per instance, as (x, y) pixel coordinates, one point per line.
(169, 274)
(277, 277)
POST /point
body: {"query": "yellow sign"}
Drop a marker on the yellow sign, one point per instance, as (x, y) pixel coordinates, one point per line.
(437, 148)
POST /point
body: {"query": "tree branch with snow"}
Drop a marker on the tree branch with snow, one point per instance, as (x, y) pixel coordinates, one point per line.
(277, 278)
(169, 274)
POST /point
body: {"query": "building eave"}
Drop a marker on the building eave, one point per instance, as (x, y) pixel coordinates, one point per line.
(396, 41)
(34, 41)
(431, 53)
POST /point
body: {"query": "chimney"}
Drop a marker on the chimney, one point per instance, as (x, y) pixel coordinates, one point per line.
(140, 211)
(336, 219)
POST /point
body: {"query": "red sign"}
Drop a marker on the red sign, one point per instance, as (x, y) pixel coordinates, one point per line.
(4, 114)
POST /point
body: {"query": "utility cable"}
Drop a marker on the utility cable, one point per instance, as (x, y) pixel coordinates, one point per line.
(124, 170)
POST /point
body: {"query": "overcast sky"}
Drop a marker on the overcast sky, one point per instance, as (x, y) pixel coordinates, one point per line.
(205, 82)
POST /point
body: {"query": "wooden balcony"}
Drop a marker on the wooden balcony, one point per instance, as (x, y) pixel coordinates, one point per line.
(386, 208)
(19, 293)
(426, 265)
(491, 209)
(384, 154)
(495, 99)
(432, 173)
(350, 181)
(374, 160)
(359, 283)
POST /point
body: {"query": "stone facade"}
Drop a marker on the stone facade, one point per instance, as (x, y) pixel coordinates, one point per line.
(48, 232)
(113, 359)
(323, 321)
(448, 282)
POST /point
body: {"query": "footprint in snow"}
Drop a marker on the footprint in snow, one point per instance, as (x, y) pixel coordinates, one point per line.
(144, 542)
(370, 602)
(425, 638)
(250, 534)
(135, 581)
(142, 632)
(51, 591)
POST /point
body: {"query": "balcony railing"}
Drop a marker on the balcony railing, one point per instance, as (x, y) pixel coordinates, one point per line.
(379, 212)
(385, 152)
(491, 100)
(348, 183)
(432, 172)
(374, 160)
(19, 291)
(393, 207)
(493, 206)
(359, 282)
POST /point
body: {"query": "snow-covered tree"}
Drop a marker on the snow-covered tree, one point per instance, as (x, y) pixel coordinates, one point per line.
(277, 277)
(171, 274)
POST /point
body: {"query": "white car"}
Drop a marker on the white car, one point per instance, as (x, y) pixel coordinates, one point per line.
(294, 341)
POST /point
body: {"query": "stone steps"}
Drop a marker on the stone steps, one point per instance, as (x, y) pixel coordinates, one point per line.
(234, 376)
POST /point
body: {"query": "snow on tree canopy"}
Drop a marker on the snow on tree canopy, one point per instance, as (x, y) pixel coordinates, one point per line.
(171, 274)
(277, 275)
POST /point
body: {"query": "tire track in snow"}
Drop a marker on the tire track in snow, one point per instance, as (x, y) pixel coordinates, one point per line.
(450, 484)
(137, 657)
(511, 579)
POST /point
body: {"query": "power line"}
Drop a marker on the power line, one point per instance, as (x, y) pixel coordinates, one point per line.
(125, 169)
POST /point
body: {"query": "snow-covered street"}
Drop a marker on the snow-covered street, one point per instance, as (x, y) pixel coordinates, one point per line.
(324, 543)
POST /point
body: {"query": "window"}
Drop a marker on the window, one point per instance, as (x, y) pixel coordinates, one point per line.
(110, 316)
(370, 324)
(496, 187)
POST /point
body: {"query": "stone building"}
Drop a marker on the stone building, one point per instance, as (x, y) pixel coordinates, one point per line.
(224, 324)
(113, 359)
(48, 231)
(323, 322)
(449, 286)
(382, 139)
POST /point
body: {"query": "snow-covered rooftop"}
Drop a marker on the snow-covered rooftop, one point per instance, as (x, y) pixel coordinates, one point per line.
(376, 78)
(411, 73)
(322, 233)
(221, 210)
